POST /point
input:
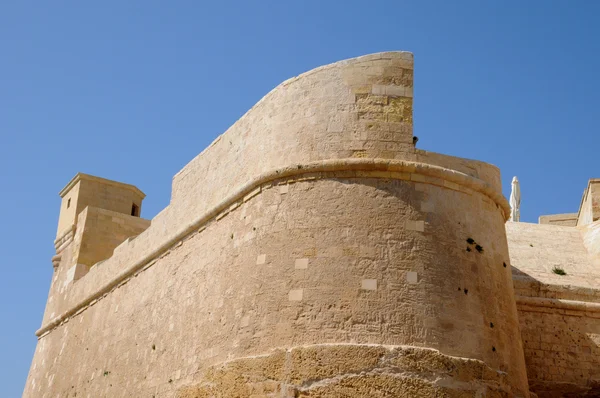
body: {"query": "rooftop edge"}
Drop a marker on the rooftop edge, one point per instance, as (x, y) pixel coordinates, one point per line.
(82, 176)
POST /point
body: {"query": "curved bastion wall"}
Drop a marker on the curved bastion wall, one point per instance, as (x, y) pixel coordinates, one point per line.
(311, 250)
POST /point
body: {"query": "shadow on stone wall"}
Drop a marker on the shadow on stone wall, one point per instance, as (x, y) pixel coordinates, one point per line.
(561, 339)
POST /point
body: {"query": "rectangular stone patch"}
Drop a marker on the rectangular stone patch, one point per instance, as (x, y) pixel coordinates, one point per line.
(245, 321)
(411, 277)
(412, 225)
(396, 91)
(301, 263)
(369, 284)
(283, 189)
(392, 90)
(378, 89)
(295, 294)
(261, 259)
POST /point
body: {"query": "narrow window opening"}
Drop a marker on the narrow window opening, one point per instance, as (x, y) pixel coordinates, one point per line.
(135, 210)
(68, 203)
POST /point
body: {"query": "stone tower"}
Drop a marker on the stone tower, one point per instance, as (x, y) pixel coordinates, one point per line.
(310, 251)
(96, 216)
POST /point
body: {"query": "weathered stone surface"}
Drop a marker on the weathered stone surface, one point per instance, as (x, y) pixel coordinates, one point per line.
(312, 251)
(350, 370)
(589, 211)
(566, 220)
(559, 314)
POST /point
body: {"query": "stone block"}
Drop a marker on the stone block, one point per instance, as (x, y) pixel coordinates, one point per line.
(411, 277)
(296, 295)
(369, 284)
(301, 263)
(413, 225)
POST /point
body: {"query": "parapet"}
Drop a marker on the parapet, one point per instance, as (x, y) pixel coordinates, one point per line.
(99, 232)
(359, 108)
(566, 219)
(589, 210)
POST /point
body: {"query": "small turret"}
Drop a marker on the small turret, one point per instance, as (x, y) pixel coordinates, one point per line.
(86, 190)
(96, 216)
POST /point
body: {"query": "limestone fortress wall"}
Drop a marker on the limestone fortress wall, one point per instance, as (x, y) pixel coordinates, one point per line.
(310, 251)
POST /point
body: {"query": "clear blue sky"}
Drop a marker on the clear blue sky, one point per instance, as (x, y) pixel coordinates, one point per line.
(133, 90)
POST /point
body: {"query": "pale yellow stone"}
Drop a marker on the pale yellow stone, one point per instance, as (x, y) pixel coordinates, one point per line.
(412, 225)
(452, 185)
(296, 294)
(301, 263)
(378, 232)
(427, 207)
(411, 277)
(369, 284)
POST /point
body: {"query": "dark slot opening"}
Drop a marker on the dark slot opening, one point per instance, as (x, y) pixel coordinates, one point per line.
(135, 210)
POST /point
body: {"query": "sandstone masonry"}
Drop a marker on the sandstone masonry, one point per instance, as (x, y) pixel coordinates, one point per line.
(312, 251)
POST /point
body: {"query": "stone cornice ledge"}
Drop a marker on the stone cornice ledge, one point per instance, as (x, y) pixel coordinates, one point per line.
(393, 169)
(542, 304)
(565, 291)
(81, 176)
(65, 237)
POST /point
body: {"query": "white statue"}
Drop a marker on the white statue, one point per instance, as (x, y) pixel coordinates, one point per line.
(515, 201)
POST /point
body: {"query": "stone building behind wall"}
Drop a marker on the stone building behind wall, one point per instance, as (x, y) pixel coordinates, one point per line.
(313, 251)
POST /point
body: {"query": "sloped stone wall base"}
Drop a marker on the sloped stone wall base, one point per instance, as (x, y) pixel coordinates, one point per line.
(349, 370)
